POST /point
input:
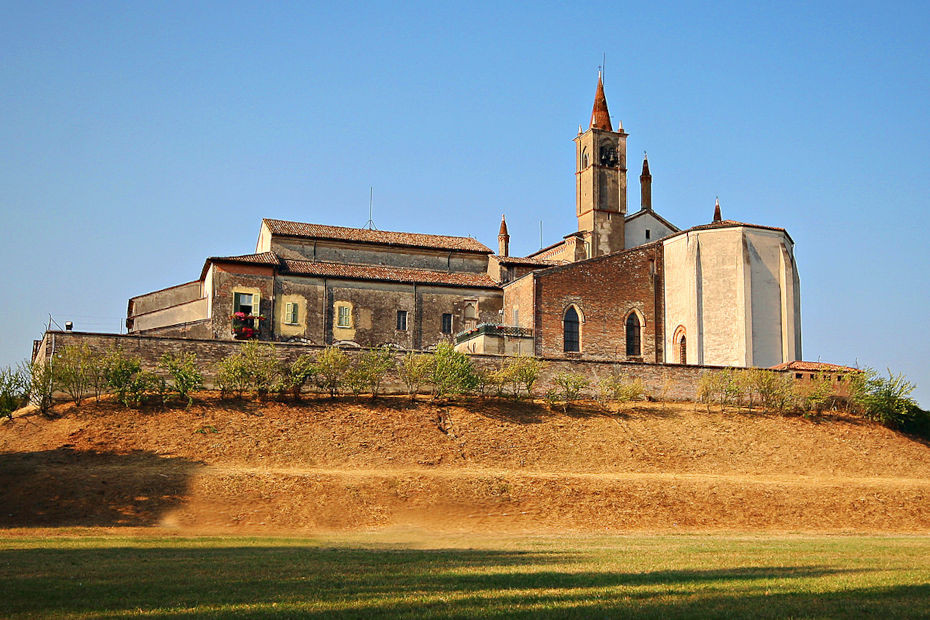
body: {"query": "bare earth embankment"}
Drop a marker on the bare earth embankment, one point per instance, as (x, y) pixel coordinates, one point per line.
(237, 467)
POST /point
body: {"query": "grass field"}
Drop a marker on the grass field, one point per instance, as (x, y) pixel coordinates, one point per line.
(377, 574)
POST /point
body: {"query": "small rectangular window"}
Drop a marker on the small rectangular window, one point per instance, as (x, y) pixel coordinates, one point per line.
(345, 317)
(447, 323)
(839, 378)
(402, 320)
(798, 375)
(242, 302)
(813, 375)
(647, 233)
(290, 313)
(516, 316)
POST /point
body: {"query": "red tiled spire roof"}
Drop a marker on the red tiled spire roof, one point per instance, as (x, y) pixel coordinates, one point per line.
(645, 167)
(717, 216)
(503, 230)
(600, 117)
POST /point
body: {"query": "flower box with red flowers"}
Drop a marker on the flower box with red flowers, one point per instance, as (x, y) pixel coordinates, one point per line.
(245, 326)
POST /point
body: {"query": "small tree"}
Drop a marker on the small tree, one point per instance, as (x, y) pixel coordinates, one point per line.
(120, 371)
(72, 369)
(570, 386)
(415, 369)
(14, 389)
(41, 386)
(888, 400)
(331, 368)
(232, 376)
(521, 372)
(182, 369)
(376, 364)
(299, 372)
(817, 394)
(261, 365)
(453, 372)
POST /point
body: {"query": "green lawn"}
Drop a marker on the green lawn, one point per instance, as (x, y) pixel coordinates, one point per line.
(366, 575)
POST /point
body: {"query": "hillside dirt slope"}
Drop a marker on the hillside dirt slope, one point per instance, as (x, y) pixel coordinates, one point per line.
(234, 466)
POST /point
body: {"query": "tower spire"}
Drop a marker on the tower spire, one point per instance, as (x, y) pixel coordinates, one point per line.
(717, 217)
(600, 117)
(503, 239)
(645, 186)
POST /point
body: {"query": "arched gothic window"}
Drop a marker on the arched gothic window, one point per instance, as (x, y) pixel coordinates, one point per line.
(570, 328)
(682, 350)
(633, 345)
(584, 159)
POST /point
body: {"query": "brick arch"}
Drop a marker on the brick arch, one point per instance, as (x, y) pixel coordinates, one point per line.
(634, 337)
(572, 320)
(680, 340)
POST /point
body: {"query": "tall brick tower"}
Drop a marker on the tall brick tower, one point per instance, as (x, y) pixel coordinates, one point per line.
(600, 197)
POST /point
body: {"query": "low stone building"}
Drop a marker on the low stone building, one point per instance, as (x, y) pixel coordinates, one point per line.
(621, 287)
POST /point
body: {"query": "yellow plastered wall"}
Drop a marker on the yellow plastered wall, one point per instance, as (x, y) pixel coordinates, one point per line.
(343, 333)
(290, 329)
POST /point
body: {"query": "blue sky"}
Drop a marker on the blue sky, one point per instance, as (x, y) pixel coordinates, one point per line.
(138, 138)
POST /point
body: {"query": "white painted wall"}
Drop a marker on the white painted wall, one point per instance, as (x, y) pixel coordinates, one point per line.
(736, 291)
(637, 226)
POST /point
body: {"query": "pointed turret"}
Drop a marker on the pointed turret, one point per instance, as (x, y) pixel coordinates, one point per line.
(717, 217)
(600, 117)
(503, 239)
(645, 186)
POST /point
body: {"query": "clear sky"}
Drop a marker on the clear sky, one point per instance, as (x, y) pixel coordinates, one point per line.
(136, 139)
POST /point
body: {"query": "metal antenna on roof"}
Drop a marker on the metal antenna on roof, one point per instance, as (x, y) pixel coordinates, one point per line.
(370, 224)
(540, 235)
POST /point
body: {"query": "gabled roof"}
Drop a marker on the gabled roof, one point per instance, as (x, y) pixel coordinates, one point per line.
(653, 214)
(382, 273)
(380, 237)
(388, 274)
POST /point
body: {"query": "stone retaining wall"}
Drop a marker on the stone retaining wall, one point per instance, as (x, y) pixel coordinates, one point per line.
(677, 382)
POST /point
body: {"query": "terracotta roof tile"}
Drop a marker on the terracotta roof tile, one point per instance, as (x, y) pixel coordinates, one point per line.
(265, 258)
(383, 237)
(528, 260)
(813, 367)
(387, 274)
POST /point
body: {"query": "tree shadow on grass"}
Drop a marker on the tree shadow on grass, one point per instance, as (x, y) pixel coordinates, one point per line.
(196, 579)
(67, 487)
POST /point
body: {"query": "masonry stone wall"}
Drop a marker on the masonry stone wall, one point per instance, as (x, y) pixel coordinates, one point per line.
(676, 382)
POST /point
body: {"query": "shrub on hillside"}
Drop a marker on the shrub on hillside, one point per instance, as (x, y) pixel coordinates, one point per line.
(375, 364)
(120, 371)
(568, 390)
(817, 394)
(41, 386)
(415, 369)
(299, 372)
(520, 374)
(79, 371)
(331, 368)
(232, 376)
(184, 375)
(887, 400)
(453, 372)
(261, 366)
(14, 389)
(618, 388)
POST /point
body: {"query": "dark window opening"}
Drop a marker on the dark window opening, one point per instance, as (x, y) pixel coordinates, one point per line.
(571, 330)
(839, 378)
(682, 351)
(447, 323)
(402, 320)
(633, 344)
(647, 233)
(798, 375)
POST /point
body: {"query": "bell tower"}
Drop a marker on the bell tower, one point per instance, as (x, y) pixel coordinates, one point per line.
(600, 180)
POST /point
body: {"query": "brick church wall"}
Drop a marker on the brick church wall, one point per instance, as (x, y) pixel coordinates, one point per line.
(605, 289)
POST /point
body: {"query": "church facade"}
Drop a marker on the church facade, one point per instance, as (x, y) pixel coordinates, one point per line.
(623, 287)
